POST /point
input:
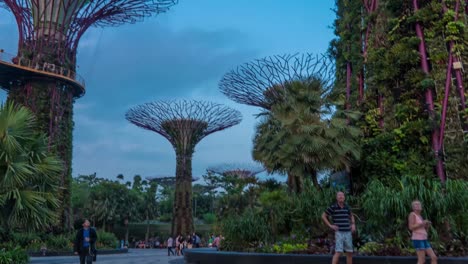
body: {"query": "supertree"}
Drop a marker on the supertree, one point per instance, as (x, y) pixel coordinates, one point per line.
(242, 171)
(184, 124)
(42, 74)
(261, 82)
(254, 83)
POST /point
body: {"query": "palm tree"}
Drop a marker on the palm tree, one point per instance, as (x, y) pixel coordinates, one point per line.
(29, 174)
(303, 133)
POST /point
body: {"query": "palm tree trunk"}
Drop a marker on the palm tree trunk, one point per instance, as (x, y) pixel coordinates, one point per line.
(313, 175)
(294, 183)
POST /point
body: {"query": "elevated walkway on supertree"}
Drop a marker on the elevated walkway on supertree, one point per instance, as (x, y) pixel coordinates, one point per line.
(14, 69)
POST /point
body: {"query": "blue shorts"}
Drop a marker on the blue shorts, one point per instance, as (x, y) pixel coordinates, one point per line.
(421, 244)
(343, 241)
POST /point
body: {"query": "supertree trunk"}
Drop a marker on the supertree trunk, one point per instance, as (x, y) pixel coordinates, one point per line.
(182, 223)
(49, 33)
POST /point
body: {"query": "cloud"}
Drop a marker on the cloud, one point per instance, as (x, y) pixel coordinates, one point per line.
(149, 60)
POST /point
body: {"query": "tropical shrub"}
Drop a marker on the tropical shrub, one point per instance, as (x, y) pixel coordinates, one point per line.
(245, 231)
(28, 173)
(61, 242)
(15, 255)
(287, 248)
(209, 218)
(390, 204)
(106, 240)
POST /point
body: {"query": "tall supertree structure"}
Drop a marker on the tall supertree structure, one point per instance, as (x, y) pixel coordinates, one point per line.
(254, 83)
(184, 124)
(242, 171)
(261, 82)
(42, 74)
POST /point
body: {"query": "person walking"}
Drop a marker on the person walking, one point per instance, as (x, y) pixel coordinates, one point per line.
(418, 227)
(85, 243)
(343, 225)
(170, 243)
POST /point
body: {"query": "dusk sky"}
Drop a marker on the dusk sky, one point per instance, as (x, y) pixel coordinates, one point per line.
(181, 54)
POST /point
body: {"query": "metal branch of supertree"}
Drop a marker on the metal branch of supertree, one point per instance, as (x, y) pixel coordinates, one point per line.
(237, 169)
(67, 20)
(248, 83)
(167, 180)
(201, 116)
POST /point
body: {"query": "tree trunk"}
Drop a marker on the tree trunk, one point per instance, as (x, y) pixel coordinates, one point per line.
(126, 234)
(147, 228)
(182, 220)
(294, 183)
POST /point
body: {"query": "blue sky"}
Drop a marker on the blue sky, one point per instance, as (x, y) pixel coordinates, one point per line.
(181, 54)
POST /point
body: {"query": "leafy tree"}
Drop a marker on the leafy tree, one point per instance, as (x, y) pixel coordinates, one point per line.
(149, 206)
(29, 174)
(303, 134)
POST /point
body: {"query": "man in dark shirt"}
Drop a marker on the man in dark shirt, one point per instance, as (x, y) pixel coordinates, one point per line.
(343, 225)
(85, 243)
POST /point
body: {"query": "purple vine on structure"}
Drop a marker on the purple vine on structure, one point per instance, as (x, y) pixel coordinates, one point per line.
(440, 170)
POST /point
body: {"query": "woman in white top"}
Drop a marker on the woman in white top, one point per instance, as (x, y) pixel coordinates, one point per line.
(418, 227)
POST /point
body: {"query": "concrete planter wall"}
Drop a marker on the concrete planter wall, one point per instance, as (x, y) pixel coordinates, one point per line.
(70, 253)
(209, 256)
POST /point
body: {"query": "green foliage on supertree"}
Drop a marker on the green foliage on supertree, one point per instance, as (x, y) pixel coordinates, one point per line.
(392, 70)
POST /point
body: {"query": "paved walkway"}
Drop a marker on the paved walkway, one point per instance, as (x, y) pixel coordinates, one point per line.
(134, 256)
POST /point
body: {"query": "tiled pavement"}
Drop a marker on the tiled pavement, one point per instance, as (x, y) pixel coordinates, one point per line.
(134, 256)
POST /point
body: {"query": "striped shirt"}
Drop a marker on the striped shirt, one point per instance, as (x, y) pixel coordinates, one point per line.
(341, 216)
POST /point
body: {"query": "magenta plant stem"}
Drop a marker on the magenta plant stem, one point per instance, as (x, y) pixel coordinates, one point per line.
(429, 98)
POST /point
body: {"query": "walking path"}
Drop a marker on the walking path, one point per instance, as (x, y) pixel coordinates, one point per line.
(134, 256)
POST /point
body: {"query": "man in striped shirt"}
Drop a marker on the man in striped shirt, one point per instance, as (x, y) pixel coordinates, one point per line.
(343, 224)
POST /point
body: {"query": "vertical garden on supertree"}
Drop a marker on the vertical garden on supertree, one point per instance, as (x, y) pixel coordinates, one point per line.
(407, 79)
(184, 124)
(49, 35)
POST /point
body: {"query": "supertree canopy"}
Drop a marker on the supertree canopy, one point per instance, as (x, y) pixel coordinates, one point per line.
(252, 83)
(42, 74)
(184, 124)
(237, 170)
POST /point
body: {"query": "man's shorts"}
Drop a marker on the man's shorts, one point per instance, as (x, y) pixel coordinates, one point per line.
(343, 241)
(421, 244)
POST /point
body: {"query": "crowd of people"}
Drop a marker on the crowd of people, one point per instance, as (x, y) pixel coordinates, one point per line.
(177, 245)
